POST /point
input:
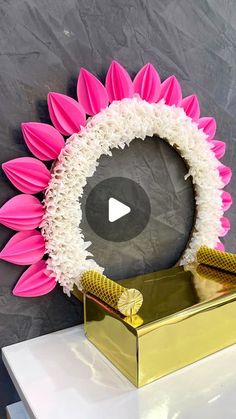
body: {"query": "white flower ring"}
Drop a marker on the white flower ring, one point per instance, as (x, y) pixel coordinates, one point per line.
(138, 109)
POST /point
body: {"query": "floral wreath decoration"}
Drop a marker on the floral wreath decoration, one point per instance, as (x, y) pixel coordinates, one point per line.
(118, 112)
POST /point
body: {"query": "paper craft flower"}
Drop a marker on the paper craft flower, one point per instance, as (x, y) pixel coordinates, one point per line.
(120, 111)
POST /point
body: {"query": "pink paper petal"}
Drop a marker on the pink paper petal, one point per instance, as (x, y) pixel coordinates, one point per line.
(35, 281)
(227, 200)
(171, 91)
(43, 140)
(225, 174)
(218, 147)
(208, 125)
(191, 107)
(147, 83)
(91, 93)
(22, 212)
(225, 224)
(27, 174)
(24, 248)
(118, 82)
(220, 246)
(67, 114)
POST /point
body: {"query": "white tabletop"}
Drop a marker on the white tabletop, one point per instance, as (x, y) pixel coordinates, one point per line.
(63, 376)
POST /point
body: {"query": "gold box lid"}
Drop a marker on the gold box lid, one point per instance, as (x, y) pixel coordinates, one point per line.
(178, 290)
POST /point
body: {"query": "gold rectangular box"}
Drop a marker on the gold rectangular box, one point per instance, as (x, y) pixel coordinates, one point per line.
(187, 314)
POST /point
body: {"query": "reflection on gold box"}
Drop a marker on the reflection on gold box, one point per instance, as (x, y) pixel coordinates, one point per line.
(186, 314)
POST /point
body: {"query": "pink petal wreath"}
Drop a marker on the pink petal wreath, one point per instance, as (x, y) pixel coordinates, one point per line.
(137, 109)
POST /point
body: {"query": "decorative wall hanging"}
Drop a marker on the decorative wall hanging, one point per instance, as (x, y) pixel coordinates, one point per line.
(118, 112)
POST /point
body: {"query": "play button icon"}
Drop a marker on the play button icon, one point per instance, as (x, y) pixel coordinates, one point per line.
(117, 209)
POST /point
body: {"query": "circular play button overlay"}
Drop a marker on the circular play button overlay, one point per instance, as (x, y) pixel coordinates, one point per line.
(117, 209)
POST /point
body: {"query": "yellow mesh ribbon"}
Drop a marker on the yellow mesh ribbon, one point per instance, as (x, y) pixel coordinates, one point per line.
(217, 259)
(127, 301)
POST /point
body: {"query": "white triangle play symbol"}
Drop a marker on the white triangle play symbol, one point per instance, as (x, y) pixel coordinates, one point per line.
(116, 210)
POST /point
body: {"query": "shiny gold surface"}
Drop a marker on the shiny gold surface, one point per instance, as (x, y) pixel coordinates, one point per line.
(127, 301)
(226, 280)
(186, 315)
(164, 293)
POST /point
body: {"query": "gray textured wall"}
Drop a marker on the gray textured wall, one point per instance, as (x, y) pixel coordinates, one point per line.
(43, 43)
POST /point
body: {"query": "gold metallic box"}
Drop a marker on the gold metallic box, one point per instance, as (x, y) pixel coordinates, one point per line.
(187, 314)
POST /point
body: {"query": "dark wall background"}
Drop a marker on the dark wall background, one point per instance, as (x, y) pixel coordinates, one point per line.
(43, 43)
